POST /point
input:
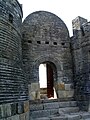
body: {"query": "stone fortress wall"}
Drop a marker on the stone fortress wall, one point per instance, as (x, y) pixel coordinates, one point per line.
(46, 40)
(42, 38)
(12, 80)
(81, 60)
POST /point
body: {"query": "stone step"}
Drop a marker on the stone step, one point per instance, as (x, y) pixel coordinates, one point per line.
(75, 116)
(69, 110)
(85, 115)
(55, 108)
(52, 105)
(82, 114)
(49, 112)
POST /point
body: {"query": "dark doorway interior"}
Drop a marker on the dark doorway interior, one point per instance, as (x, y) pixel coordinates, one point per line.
(50, 79)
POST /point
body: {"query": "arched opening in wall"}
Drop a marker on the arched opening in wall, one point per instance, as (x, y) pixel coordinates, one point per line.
(47, 78)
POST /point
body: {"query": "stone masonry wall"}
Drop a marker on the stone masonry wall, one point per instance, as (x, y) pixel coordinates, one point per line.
(13, 85)
(81, 59)
(46, 39)
(15, 111)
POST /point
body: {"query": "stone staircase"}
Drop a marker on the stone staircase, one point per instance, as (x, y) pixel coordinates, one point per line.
(56, 110)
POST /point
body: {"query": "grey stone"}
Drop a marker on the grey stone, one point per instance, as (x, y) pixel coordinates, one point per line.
(13, 109)
(27, 117)
(22, 116)
(51, 105)
(43, 118)
(85, 115)
(59, 118)
(73, 117)
(40, 113)
(15, 117)
(36, 107)
(73, 103)
(69, 109)
(64, 104)
(20, 107)
(68, 87)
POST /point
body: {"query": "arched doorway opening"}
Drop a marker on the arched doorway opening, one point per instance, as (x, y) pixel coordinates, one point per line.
(47, 78)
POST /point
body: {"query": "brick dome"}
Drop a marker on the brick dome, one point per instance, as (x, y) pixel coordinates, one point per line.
(45, 26)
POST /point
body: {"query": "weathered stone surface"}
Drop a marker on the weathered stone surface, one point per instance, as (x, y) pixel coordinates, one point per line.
(60, 86)
(36, 107)
(44, 118)
(15, 117)
(81, 57)
(73, 117)
(65, 94)
(73, 103)
(59, 118)
(64, 104)
(68, 87)
(13, 109)
(5, 110)
(12, 80)
(34, 91)
(40, 113)
(46, 40)
(22, 116)
(27, 115)
(51, 105)
(20, 107)
(26, 106)
(35, 86)
(69, 109)
(85, 115)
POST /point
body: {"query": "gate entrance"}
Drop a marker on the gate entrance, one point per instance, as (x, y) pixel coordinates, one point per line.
(46, 80)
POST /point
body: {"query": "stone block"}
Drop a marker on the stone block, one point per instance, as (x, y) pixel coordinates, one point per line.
(73, 117)
(60, 86)
(27, 116)
(0, 111)
(70, 93)
(59, 118)
(13, 109)
(68, 87)
(22, 116)
(35, 86)
(64, 104)
(29, 91)
(85, 115)
(5, 110)
(73, 103)
(34, 91)
(9, 118)
(15, 117)
(62, 94)
(26, 106)
(51, 105)
(20, 107)
(43, 118)
(40, 113)
(36, 107)
(54, 111)
(69, 109)
(35, 95)
(65, 94)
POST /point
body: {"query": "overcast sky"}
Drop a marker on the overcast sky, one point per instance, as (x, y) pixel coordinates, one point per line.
(67, 10)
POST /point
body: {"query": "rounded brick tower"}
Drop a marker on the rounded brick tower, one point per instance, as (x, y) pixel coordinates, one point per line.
(46, 41)
(13, 87)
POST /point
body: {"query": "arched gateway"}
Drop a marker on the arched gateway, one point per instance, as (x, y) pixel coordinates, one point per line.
(46, 40)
